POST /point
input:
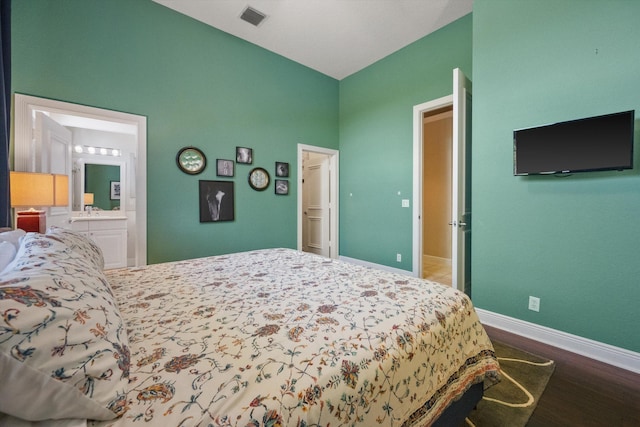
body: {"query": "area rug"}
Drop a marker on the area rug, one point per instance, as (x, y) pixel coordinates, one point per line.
(512, 401)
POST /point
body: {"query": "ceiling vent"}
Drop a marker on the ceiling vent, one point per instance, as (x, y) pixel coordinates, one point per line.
(252, 16)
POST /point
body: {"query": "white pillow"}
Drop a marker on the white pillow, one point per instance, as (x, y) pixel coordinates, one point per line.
(9, 421)
(53, 399)
(7, 253)
(13, 237)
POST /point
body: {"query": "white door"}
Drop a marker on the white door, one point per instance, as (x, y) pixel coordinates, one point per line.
(461, 184)
(53, 155)
(316, 207)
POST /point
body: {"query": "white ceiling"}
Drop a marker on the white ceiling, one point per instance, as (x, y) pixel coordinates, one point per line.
(334, 37)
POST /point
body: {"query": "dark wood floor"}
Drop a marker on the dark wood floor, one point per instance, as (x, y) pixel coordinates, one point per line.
(581, 392)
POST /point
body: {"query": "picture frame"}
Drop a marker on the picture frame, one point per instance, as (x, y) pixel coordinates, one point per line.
(191, 160)
(114, 191)
(225, 167)
(244, 155)
(217, 201)
(282, 169)
(282, 187)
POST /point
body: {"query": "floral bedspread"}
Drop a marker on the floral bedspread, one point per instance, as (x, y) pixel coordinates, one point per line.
(283, 338)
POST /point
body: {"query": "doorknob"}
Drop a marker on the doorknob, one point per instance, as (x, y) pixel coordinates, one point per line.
(457, 224)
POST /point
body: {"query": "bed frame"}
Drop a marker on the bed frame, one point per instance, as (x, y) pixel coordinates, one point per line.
(455, 414)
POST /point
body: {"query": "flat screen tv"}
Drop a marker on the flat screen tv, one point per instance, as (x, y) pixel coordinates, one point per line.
(590, 144)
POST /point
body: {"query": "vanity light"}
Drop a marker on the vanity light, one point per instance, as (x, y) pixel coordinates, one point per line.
(97, 150)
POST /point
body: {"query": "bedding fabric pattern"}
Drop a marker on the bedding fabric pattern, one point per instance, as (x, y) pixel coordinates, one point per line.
(63, 347)
(279, 337)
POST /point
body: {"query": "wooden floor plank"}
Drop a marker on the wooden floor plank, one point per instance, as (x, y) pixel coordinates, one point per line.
(582, 391)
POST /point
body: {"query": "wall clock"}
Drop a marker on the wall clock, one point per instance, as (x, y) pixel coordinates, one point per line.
(259, 179)
(191, 160)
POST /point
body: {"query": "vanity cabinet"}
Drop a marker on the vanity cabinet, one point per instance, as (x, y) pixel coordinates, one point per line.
(110, 234)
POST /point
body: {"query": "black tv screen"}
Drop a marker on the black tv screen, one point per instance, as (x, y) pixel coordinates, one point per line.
(590, 144)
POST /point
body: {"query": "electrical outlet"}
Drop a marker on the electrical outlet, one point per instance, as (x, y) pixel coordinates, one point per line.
(405, 203)
(399, 257)
(534, 303)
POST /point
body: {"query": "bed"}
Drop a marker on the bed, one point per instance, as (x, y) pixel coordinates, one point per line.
(271, 337)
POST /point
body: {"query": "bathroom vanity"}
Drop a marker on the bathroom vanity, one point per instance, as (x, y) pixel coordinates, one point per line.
(108, 232)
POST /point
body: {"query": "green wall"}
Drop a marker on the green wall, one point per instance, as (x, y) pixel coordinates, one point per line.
(376, 141)
(573, 242)
(197, 86)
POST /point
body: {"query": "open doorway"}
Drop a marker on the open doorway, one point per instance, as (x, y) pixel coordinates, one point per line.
(95, 124)
(459, 223)
(318, 200)
(437, 149)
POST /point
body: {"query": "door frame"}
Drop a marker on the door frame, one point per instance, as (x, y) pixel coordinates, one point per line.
(25, 105)
(418, 114)
(334, 176)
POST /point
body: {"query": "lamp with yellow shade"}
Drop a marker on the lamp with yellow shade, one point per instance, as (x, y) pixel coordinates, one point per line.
(30, 189)
(87, 198)
(61, 190)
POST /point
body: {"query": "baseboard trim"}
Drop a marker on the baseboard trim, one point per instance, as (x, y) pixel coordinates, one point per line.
(374, 265)
(616, 356)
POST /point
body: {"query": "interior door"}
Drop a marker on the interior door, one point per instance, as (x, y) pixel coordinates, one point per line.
(461, 184)
(53, 147)
(316, 204)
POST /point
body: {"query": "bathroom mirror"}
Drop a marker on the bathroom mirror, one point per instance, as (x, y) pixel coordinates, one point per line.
(103, 179)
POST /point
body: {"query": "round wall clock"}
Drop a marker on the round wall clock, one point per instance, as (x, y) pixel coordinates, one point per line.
(259, 179)
(191, 160)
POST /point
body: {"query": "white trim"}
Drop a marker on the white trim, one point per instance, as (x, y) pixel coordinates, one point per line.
(616, 356)
(374, 265)
(25, 105)
(418, 114)
(334, 191)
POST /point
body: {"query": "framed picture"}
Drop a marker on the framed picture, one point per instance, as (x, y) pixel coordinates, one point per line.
(216, 201)
(224, 167)
(282, 186)
(244, 155)
(282, 169)
(114, 194)
(191, 160)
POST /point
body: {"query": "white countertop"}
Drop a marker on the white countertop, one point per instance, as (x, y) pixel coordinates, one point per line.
(97, 216)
